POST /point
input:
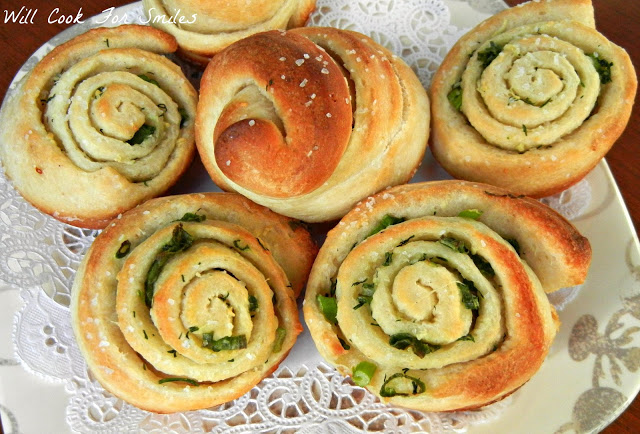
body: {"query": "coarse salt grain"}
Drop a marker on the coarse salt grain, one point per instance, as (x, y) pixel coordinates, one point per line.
(304, 82)
(324, 70)
(252, 123)
(299, 62)
(328, 115)
(282, 59)
(228, 163)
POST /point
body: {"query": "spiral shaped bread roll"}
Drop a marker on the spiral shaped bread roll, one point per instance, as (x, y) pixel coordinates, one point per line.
(203, 28)
(531, 99)
(421, 296)
(309, 121)
(186, 302)
(101, 124)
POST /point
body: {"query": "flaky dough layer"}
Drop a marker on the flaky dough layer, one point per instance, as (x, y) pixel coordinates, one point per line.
(204, 28)
(101, 124)
(309, 121)
(441, 287)
(531, 99)
(187, 302)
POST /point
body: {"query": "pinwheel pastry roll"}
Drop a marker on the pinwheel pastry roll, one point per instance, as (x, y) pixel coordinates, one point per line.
(187, 302)
(432, 295)
(203, 28)
(531, 99)
(309, 121)
(102, 123)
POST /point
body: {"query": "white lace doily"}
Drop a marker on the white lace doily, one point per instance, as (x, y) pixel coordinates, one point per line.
(39, 256)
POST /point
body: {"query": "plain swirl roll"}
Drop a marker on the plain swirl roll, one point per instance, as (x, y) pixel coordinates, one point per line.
(102, 123)
(432, 295)
(531, 99)
(187, 302)
(309, 121)
(203, 28)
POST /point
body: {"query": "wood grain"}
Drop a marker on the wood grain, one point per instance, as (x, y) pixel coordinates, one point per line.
(617, 19)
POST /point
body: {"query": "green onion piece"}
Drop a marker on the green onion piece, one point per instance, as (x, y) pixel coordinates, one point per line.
(524, 129)
(470, 214)
(329, 308)
(387, 220)
(603, 67)
(184, 116)
(224, 344)
(455, 95)
(454, 244)
(124, 249)
(363, 373)
(344, 344)
(468, 337)
(277, 343)
(253, 303)
(488, 55)
(469, 299)
(141, 135)
(401, 384)
(485, 267)
(192, 217)
(149, 80)
(403, 242)
(173, 379)
(388, 256)
(180, 240)
(236, 244)
(402, 341)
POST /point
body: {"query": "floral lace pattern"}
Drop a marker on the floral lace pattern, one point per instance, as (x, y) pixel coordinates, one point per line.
(39, 256)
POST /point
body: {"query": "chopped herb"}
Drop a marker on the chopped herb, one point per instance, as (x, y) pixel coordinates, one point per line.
(454, 244)
(182, 277)
(224, 344)
(45, 101)
(236, 244)
(262, 245)
(269, 84)
(397, 385)
(403, 242)
(455, 95)
(231, 360)
(149, 80)
(173, 379)
(332, 288)
(388, 256)
(277, 343)
(402, 341)
(253, 303)
(524, 129)
(328, 307)
(174, 352)
(358, 282)
(180, 241)
(98, 93)
(469, 298)
(184, 116)
(142, 134)
(362, 300)
(470, 214)
(106, 41)
(387, 220)
(124, 249)
(484, 266)
(344, 344)
(514, 243)
(488, 55)
(363, 372)
(468, 337)
(603, 67)
(144, 332)
(162, 107)
(191, 330)
(224, 297)
(134, 313)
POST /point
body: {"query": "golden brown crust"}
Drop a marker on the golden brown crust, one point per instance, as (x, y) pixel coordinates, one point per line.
(503, 135)
(207, 28)
(240, 250)
(64, 132)
(412, 271)
(309, 121)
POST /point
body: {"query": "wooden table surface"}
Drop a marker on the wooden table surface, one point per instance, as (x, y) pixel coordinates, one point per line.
(619, 20)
